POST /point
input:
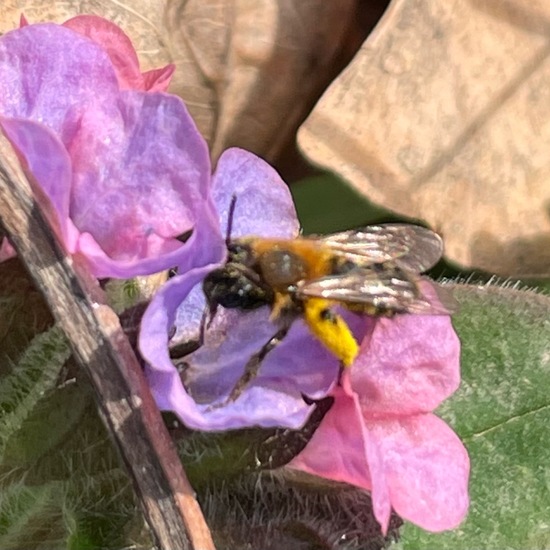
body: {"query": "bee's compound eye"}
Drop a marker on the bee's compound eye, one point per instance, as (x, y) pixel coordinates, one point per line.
(240, 254)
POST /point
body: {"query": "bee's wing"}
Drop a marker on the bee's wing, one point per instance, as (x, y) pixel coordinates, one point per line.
(386, 291)
(411, 246)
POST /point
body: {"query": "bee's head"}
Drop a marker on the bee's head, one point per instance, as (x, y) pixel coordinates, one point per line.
(235, 286)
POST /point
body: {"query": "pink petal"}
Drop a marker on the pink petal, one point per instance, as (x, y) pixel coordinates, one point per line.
(341, 450)
(158, 80)
(337, 449)
(426, 469)
(150, 185)
(123, 56)
(407, 364)
(416, 464)
(6, 250)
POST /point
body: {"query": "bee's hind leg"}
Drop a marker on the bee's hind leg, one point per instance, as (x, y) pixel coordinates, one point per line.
(331, 330)
(253, 366)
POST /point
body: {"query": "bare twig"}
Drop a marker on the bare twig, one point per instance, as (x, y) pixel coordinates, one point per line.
(103, 351)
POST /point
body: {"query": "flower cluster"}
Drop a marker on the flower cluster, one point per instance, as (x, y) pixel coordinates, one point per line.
(380, 434)
(120, 162)
(126, 173)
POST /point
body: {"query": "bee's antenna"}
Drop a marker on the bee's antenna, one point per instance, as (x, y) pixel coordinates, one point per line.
(230, 215)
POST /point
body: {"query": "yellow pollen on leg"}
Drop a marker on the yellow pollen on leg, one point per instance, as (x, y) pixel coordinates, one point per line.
(331, 330)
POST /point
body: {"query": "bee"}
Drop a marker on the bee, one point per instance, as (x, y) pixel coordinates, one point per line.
(375, 270)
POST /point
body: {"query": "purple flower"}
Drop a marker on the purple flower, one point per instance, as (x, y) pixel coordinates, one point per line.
(122, 171)
(264, 208)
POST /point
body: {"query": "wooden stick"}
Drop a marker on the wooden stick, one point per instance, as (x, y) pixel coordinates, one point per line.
(103, 351)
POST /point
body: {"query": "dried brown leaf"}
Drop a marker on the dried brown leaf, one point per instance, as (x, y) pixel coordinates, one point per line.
(253, 70)
(250, 72)
(444, 115)
(142, 20)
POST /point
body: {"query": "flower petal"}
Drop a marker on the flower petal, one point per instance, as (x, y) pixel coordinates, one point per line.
(6, 250)
(341, 450)
(407, 364)
(141, 176)
(264, 207)
(337, 449)
(50, 166)
(156, 323)
(52, 75)
(123, 55)
(416, 464)
(426, 469)
(158, 80)
(298, 365)
(264, 204)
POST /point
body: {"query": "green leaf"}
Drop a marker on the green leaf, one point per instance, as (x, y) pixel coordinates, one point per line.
(53, 419)
(27, 383)
(60, 481)
(23, 312)
(32, 517)
(502, 413)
